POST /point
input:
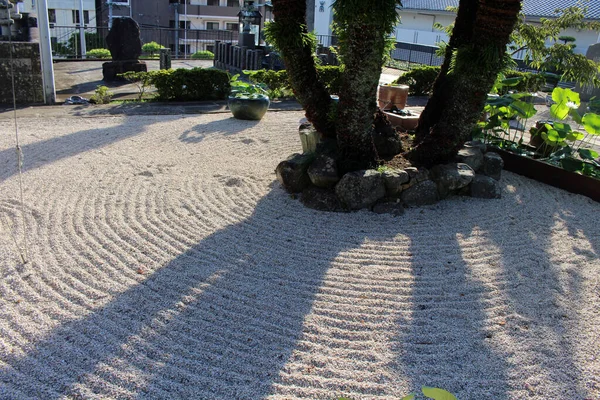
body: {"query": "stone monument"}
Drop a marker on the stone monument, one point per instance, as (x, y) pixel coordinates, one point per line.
(125, 47)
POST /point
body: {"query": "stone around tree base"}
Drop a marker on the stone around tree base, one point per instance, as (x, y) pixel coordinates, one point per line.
(492, 165)
(291, 173)
(421, 194)
(360, 189)
(111, 69)
(320, 199)
(484, 187)
(323, 172)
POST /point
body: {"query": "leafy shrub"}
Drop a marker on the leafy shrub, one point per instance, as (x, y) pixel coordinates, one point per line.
(151, 47)
(245, 90)
(531, 82)
(279, 85)
(277, 82)
(98, 53)
(203, 55)
(194, 84)
(143, 80)
(420, 80)
(101, 95)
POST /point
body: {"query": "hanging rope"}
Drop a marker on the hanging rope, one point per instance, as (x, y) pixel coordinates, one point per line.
(24, 254)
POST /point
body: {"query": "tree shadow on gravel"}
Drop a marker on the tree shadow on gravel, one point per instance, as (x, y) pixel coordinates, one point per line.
(226, 127)
(507, 336)
(219, 321)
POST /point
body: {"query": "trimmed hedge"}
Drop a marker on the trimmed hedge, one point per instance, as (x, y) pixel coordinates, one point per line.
(203, 55)
(194, 84)
(420, 80)
(98, 53)
(279, 85)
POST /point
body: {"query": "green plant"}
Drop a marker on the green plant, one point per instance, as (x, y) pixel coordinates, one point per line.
(420, 80)
(98, 53)
(277, 83)
(143, 80)
(194, 84)
(203, 55)
(431, 393)
(92, 41)
(102, 95)
(528, 82)
(151, 47)
(245, 90)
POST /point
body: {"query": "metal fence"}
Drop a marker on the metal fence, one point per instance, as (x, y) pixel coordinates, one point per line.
(416, 54)
(66, 42)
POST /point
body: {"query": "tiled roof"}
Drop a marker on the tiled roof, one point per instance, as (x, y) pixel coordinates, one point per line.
(531, 8)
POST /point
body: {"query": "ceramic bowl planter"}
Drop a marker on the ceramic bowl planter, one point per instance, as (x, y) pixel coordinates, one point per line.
(390, 96)
(248, 108)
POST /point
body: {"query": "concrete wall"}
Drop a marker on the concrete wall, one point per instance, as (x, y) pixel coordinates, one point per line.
(27, 70)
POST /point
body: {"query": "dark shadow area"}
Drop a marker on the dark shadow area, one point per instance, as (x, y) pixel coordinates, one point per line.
(226, 127)
(218, 321)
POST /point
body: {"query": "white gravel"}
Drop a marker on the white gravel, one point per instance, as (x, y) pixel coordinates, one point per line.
(167, 263)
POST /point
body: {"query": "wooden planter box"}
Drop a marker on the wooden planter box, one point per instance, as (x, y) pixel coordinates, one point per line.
(406, 122)
(551, 175)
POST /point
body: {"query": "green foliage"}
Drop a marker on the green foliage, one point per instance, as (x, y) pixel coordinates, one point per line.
(431, 393)
(102, 95)
(194, 84)
(245, 90)
(92, 41)
(203, 55)
(151, 47)
(529, 81)
(98, 53)
(420, 80)
(143, 80)
(278, 84)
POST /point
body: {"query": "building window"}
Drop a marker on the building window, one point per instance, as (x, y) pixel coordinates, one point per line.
(212, 2)
(233, 3)
(184, 48)
(182, 24)
(214, 26)
(231, 26)
(210, 47)
(75, 15)
(52, 15)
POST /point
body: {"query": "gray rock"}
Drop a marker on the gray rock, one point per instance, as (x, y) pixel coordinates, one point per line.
(450, 178)
(421, 194)
(360, 189)
(291, 173)
(492, 165)
(417, 175)
(394, 179)
(396, 209)
(323, 172)
(320, 199)
(484, 187)
(471, 156)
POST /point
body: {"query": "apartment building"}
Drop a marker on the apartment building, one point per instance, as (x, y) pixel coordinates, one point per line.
(64, 12)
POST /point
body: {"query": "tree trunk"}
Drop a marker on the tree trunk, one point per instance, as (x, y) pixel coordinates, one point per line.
(291, 37)
(476, 55)
(364, 28)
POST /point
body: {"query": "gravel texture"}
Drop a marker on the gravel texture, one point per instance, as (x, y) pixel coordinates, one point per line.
(165, 262)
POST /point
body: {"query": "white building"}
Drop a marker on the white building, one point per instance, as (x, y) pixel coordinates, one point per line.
(418, 18)
(64, 12)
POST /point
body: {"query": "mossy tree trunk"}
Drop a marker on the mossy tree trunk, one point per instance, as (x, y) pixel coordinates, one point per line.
(290, 35)
(363, 28)
(475, 56)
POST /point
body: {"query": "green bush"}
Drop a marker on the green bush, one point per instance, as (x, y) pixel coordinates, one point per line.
(420, 80)
(102, 95)
(151, 47)
(98, 53)
(531, 82)
(203, 55)
(279, 85)
(196, 84)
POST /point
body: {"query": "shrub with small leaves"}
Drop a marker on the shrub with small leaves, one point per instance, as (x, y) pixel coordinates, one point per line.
(151, 47)
(194, 84)
(143, 80)
(419, 80)
(98, 53)
(203, 55)
(102, 95)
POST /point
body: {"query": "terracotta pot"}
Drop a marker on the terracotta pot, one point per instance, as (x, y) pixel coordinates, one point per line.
(389, 96)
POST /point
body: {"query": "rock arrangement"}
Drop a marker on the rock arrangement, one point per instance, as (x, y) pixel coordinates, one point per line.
(474, 173)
